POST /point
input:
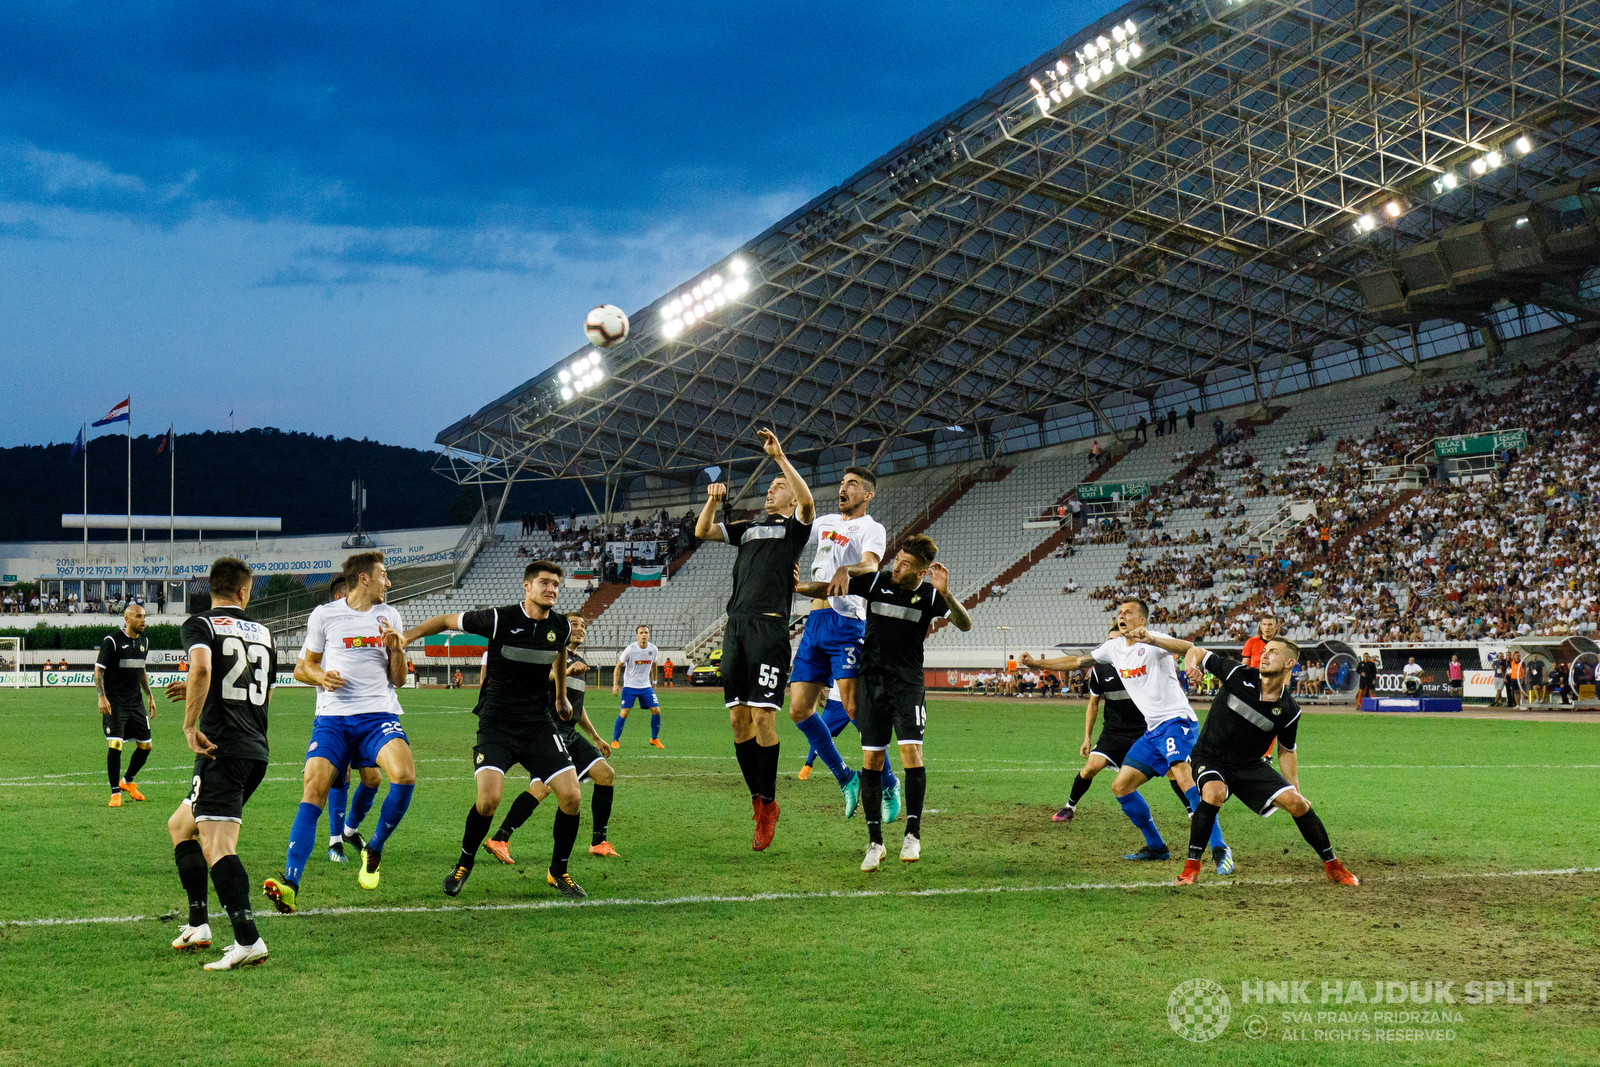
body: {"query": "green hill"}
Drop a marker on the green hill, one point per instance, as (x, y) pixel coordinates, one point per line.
(300, 477)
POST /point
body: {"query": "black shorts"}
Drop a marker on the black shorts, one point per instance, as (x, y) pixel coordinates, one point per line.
(223, 786)
(1114, 746)
(1256, 785)
(127, 722)
(755, 660)
(584, 754)
(889, 705)
(538, 748)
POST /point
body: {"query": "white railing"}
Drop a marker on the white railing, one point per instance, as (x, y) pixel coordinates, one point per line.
(466, 549)
(1290, 514)
(705, 637)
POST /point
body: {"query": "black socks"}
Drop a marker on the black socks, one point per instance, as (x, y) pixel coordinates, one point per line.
(1315, 833)
(1080, 786)
(565, 832)
(139, 756)
(521, 808)
(477, 829)
(746, 753)
(233, 890)
(916, 791)
(766, 760)
(114, 767)
(872, 802)
(601, 809)
(195, 876)
(1205, 817)
(1179, 793)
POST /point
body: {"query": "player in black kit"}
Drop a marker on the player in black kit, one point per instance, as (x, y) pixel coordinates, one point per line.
(890, 699)
(587, 758)
(124, 694)
(231, 668)
(524, 694)
(755, 645)
(1122, 726)
(1252, 708)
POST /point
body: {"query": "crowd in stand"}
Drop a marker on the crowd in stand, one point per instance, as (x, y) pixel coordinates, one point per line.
(581, 546)
(29, 601)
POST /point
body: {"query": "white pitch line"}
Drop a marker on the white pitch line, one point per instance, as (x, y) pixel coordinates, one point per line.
(858, 894)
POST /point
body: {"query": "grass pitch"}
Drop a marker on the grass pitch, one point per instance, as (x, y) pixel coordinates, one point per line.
(1015, 940)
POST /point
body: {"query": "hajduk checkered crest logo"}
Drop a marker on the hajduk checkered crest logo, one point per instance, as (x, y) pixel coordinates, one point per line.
(1198, 1010)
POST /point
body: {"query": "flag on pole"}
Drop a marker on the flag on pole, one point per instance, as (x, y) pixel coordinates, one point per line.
(77, 446)
(117, 414)
(647, 577)
(166, 441)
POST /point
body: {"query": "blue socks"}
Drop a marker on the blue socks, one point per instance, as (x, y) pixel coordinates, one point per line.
(655, 725)
(616, 730)
(360, 804)
(1192, 795)
(395, 804)
(816, 732)
(302, 838)
(338, 802)
(1138, 813)
(889, 780)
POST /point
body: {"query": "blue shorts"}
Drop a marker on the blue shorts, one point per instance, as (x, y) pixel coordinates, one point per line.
(646, 698)
(1155, 753)
(834, 717)
(352, 740)
(830, 648)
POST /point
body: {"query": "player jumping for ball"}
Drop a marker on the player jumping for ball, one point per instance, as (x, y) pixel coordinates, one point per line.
(1252, 709)
(755, 645)
(900, 608)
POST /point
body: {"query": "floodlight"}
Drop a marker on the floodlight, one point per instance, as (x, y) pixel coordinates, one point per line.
(697, 292)
(1036, 86)
(1094, 73)
(565, 375)
(1523, 145)
(1061, 66)
(1089, 51)
(1066, 90)
(1367, 222)
(1118, 33)
(672, 328)
(1450, 180)
(1480, 166)
(738, 287)
(1102, 44)
(567, 393)
(1135, 50)
(1130, 26)
(716, 281)
(738, 265)
(1106, 66)
(1081, 80)
(720, 299)
(1122, 56)
(1494, 159)
(1055, 95)
(1392, 208)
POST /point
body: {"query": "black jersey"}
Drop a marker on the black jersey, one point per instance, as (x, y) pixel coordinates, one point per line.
(243, 666)
(1241, 725)
(518, 689)
(122, 659)
(1368, 673)
(764, 572)
(897, 625)
(577, 679)
(1121, 715)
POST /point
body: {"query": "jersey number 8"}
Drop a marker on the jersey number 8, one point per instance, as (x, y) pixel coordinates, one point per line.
(244, 657)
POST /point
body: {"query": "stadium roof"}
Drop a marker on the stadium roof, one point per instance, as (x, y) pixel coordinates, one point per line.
(1168, 208)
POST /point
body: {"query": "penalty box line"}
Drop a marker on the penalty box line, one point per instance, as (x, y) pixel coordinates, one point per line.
(859, 894)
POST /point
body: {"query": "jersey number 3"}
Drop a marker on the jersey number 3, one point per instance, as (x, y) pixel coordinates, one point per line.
(245, 657)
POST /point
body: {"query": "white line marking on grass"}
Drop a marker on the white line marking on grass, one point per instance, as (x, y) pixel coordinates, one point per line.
(857, 894)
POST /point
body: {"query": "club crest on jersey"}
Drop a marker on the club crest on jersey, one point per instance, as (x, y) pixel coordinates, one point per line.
(1141, 650)
(550, 636)
(1134, 672)
(362, 642)
(916, 598)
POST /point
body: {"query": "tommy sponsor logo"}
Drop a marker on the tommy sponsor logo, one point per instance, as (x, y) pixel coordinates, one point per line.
(363, 642)
(836, 536)
(1134, 672)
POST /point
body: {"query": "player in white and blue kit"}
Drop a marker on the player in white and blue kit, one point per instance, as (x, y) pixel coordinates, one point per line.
(1150, 676)
(635, 682)
(354, 654)
(849, 542)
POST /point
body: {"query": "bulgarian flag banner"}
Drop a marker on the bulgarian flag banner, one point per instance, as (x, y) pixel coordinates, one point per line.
(583, 574)
(647, 577)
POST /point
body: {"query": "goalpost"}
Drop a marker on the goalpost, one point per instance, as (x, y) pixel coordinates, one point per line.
(12, 676)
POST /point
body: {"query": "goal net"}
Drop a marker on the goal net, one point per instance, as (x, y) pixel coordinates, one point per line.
(12, 675)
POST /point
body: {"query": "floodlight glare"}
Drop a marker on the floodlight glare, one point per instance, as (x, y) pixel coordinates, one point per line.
(1367, 222)
(566, 392)
(1089, 51)
(738, 266)
(1106, 66)
(1102, 44)
(1055, 95)
(1066, 90)
(1118, 33)
(1450, 180)
(1094, 73)
(697, 292)
(1061, 66)
(1122, 56)
(720, 299)
(1494, 159)
(1036, 86)
(1135, 50)
(1480, 166)
(1523, 145)
(565, 375)
(672, 328)
(1392, 208)
(1130, 26)
(1081, 80)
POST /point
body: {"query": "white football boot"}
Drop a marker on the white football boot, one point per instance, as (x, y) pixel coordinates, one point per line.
(192, 937)
(240, 956)
(875, 854)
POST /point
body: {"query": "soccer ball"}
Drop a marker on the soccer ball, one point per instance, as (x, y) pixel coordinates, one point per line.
(606, 326)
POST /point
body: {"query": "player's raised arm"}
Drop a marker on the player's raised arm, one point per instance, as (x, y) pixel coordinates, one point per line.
(939, 576)
(396, 649)
(816, 589)
(805, 505)
(1166, 642)
(436, 625)
(705, 527)
(1057, 663)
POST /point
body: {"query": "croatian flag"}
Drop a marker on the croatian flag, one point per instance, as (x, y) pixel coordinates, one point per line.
(646, 577)
(116, 414)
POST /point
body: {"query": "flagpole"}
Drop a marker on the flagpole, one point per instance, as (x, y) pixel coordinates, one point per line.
(172, 492)
(127, 575)
(86, 496)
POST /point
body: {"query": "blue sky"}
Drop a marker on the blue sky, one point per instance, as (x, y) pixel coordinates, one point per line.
(369, 219)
